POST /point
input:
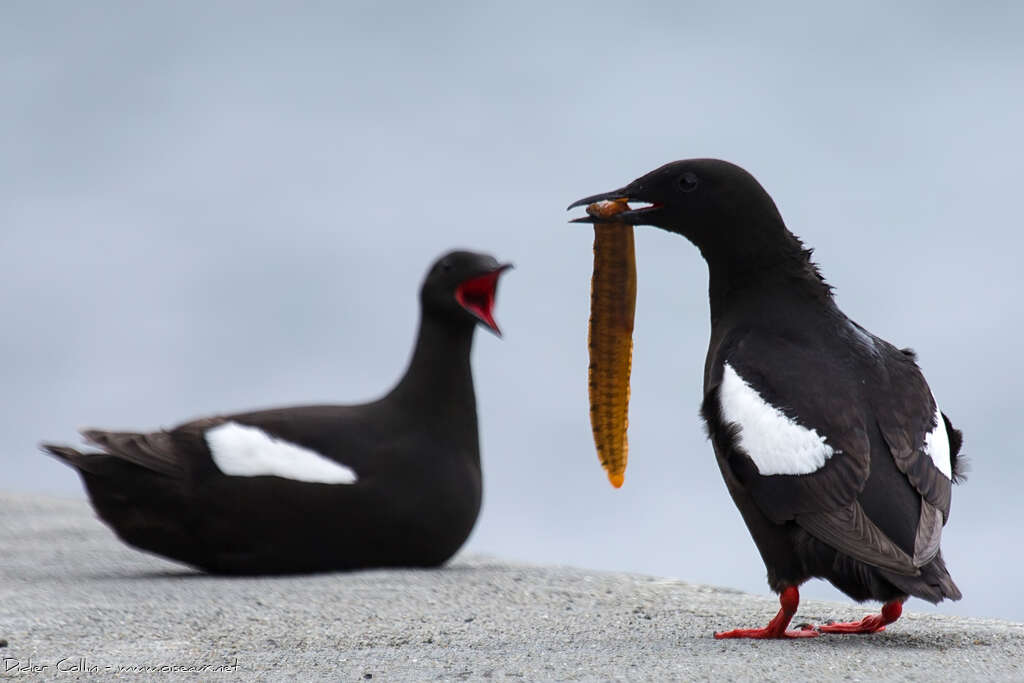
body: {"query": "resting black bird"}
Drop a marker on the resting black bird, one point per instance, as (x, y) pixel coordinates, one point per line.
(395, 482)
(829, 439)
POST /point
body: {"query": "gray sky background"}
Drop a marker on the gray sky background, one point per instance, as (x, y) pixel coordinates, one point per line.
(209, 207)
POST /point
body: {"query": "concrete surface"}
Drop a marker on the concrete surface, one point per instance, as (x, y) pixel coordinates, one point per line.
(76, 603)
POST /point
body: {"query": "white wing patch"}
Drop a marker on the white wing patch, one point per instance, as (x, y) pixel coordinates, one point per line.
(936, 444)
(776, 443)
(244, 451)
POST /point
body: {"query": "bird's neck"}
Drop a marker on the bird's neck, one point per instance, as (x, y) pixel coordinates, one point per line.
(438, 384)
(752, 273)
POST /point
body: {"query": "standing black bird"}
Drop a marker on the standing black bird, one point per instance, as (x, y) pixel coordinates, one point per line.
(829, 439)
(395, 482)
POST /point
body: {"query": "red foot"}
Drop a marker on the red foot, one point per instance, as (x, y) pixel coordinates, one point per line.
(766, 633)
(872, 623)
(776, 628)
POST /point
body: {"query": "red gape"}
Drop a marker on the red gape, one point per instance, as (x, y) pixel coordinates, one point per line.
(872, 623)
(776, 628)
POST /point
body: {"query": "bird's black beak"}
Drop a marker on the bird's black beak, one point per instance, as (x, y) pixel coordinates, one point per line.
(477, 295)
(630, 193)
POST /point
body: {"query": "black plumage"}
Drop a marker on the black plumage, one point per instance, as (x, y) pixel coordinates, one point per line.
(862, 494)
(415, 486)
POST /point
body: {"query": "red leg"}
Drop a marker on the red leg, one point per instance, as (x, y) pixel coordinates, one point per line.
(891, 611)
(776, 628)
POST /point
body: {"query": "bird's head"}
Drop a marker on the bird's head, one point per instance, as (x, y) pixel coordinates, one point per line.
(460, 288)
(705, 200)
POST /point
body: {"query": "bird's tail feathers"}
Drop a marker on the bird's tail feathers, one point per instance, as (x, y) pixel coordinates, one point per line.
(933, 584)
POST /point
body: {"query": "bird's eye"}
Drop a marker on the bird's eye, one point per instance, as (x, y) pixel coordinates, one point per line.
(688, 181)
(446, 266)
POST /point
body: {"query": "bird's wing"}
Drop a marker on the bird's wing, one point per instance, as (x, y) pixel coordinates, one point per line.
(327, 444)
(792, 425)
(921, 439)
(154, 451)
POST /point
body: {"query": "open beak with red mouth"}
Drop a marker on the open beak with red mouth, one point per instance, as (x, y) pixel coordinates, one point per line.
(477, 294)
